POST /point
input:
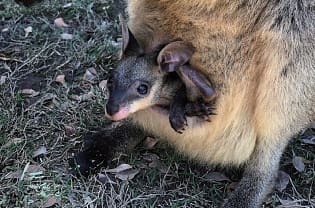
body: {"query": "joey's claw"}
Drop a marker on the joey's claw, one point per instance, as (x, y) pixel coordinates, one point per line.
(178, 122)
(200, 109)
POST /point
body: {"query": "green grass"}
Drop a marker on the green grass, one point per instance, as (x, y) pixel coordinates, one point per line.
(28, 123)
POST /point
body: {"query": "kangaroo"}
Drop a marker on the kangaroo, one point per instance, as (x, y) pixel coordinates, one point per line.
(260, 57)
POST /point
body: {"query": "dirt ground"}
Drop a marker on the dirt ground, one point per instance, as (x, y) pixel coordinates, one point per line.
(52, 74)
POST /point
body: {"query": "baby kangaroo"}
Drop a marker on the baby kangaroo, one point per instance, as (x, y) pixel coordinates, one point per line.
(141, 76)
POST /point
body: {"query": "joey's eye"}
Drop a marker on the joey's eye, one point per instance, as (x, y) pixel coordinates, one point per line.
(142, 89)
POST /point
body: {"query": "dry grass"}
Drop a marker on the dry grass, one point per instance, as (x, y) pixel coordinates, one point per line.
(58, 120)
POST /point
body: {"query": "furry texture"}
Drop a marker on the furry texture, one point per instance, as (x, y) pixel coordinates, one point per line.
(260, 56)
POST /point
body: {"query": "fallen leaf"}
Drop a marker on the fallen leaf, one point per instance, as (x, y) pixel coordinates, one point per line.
(28, 169)
(82, 98)
(127, 174)
(216, 177)
(105, 179)
(103, 85)
(35, 169)
(50, 201)
(28, 30)
(282, 181)
(298, 164)
(29, 92)
(66, 36)
(120, 168)
(59, 22)
(150, 142)
(150, 157)
(2, 80)
(90, 75)
(5, 30)
(309, 140)
(40, 151)
(61, 79)
(70, 130)
(67, 5)
(288, 203)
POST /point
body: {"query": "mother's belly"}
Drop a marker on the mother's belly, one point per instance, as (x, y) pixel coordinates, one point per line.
(227, 139)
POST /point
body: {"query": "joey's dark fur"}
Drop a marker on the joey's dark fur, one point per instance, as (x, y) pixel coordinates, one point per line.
(141, 80)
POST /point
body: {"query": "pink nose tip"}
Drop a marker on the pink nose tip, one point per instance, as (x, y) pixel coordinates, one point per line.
(121, 114)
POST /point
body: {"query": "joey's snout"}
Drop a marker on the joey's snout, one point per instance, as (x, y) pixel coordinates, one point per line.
(115, 111)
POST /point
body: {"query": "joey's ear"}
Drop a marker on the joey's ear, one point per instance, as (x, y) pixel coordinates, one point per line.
(174, 54)
(130, 45)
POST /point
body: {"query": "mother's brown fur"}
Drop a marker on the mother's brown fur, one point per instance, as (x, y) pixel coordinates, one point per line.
(260, 55)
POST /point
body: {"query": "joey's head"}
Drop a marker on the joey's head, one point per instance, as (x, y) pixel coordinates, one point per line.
(136, 82)
(134, 85)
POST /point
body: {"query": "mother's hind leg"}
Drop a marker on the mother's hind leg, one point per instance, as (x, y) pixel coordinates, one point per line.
(259, 176)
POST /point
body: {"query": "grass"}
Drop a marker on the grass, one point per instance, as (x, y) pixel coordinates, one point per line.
(58, 118)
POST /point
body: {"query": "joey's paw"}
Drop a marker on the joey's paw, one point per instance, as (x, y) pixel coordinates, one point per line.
(178, 122)
(200, 109)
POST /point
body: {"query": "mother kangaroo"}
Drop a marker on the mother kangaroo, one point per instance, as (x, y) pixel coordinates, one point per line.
(260, 56)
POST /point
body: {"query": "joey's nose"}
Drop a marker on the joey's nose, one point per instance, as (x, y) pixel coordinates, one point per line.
(112, 109)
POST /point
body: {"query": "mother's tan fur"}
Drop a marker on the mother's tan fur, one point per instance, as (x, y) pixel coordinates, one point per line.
(260, 55)
(245, 64)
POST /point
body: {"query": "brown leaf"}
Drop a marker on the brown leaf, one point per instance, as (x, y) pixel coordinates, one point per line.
(103, 85)
(282, 181)
(70, 130)
(50, 201)
(216, 177)
(298, 164)
(29, 92)
(30, 169)
(61, 79)
(66, 36)
(40, 151)
(120, 168)
(105, 179)
(127, 174)
(67, 5)
(288, 203)
(28, 30)
(59, 22)
(34, 169)
(150, 157)
(2, 80)
(90, 75)
(309, 140)
(84, 97)
(150, 142)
